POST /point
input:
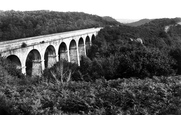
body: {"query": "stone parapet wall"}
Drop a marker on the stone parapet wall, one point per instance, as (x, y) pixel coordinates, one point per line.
(14, 44)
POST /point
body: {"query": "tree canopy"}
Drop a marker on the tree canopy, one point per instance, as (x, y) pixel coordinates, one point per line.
(18, 24)
(118, 53)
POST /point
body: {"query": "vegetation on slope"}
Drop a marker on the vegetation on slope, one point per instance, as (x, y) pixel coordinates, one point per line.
(17, 24)
(109, 19)
(37, 96)
(116, 53)
(121, 76)
(139, 22)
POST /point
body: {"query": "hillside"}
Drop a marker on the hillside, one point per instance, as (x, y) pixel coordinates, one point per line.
(119, 76)
(126, 20)
(109, 19)
(17, 24)
(119, 53)
(138, 23)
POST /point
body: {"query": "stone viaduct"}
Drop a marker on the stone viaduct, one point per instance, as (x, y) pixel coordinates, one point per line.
(32, 55)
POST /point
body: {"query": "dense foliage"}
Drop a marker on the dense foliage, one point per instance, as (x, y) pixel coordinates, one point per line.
(158, 96)
(143, 51)
(18, 24)
(37, 96)
(120, 76)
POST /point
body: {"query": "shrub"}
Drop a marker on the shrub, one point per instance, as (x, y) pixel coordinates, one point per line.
(60, 72)
(9, 74)
(176, 55)
(145, 62)
(159, 95)
(10, 68)
(23, 45)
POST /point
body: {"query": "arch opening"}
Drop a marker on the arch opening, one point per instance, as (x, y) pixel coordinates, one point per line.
(81, 47)
(93, 38)
(73, 52)
(33, 63)
(62, 52)
(15, 60)
(50, 56)
(87, 43)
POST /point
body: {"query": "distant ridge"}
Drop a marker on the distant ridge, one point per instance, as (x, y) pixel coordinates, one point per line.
(109, 19)
(126, 20)
(139, 23)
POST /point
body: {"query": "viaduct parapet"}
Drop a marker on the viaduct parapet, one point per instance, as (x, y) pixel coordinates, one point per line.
(32, 55)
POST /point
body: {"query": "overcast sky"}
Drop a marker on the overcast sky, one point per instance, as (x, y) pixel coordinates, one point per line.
(119, 9)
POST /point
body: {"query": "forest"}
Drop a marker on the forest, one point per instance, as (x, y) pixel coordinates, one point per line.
(19, 24)
(127, 71)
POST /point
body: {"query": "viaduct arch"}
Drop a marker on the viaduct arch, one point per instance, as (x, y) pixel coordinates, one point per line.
(62, 52)
(44, 51)
(15, 60)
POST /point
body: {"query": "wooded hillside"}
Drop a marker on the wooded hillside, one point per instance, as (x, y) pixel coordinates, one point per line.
(120, 76)
(18, 24)
(118, 53)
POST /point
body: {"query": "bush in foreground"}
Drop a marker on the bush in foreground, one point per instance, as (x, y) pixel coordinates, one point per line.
(160, 95)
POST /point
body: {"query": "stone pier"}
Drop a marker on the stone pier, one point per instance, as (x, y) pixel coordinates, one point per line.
(36, 68)
(73, 55)
(51, 60)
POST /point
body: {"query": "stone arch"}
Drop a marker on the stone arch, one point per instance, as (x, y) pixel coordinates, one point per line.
(87, 44)
(81, 47)
(15, 60)
(73, 52)
(33, 63)
(62, 52)
(50, 56)
(93, 38)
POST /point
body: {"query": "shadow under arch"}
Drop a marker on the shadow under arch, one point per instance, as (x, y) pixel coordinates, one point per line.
(87, 43)
(15, 60)
(33, 63)
(93, 38)
(81, 47)
(50, 56)
(73, 52)
(62, 52)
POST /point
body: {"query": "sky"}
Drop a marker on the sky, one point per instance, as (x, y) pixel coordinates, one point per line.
(118, 9)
